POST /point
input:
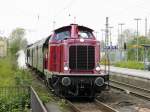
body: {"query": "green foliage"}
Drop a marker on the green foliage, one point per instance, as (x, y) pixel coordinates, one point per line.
(17, 40)
(23, 77)
(130, 64)
(6, 72)
(10, 75)
(132, 50)
(14, 99)
(105, 61)
(42, 92)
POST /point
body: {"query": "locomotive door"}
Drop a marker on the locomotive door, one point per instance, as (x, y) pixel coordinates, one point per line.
(52, 64)
(58, 59)
(55, 57)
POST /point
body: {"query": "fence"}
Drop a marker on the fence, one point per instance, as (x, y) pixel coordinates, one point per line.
(14, 99)
(20, 99)
(36, 104)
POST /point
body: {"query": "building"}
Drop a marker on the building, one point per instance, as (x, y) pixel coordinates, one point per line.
(3, 47)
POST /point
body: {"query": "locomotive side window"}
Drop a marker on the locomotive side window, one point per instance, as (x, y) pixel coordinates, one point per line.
(62, 35)
(85, 34)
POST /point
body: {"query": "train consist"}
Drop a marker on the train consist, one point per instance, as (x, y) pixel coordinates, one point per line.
(69, 60)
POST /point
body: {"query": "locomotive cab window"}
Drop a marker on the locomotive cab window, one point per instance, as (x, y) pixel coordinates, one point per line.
(62, 35)
(85, 34)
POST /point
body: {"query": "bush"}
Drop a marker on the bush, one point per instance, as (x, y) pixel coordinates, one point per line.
(11, 76)
(130, 64)
(23, 78)
(105, 61)
(14, 100)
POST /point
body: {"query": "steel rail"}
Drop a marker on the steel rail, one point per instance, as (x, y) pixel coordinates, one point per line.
(105, 107)
(73, 107)
(132, 89)
(101, 107)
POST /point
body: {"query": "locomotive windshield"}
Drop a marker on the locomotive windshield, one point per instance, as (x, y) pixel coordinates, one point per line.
(85, 34)
(62, 35)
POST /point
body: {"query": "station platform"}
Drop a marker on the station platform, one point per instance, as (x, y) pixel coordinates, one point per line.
(138, 78)
(131, 72)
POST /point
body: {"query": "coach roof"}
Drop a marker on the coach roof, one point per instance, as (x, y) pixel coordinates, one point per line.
(40, 42)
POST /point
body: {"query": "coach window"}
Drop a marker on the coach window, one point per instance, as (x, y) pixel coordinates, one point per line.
(62, 35)
(28, 53)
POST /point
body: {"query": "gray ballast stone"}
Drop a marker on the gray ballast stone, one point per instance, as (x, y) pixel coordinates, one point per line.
(52, 107)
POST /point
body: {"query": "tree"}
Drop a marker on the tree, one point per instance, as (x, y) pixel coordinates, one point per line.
(132, 46)
(127, 35)
(17, 40)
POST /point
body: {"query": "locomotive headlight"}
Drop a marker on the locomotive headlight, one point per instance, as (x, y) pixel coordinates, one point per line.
(66, 81)
(81, 40)
(99, 81)
(97, 68)
(66, 68)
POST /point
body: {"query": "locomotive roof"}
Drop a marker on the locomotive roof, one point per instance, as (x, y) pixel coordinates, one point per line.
(45, 40)
(69, 27)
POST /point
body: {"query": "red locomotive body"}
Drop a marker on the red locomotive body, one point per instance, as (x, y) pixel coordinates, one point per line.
(71, 57)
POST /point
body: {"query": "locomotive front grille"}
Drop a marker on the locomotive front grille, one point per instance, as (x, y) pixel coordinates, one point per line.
(81, 57)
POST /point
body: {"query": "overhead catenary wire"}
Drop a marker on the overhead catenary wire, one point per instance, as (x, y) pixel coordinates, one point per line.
(67, 6)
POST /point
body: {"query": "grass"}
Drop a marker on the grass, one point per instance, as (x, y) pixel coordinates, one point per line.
(130, 64)
(47, 96)
(42, 91)
(6, 72)
(10, 76)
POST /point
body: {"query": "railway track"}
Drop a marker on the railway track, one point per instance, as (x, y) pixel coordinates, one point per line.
(80, 106)
(131, 89)
(95, 106)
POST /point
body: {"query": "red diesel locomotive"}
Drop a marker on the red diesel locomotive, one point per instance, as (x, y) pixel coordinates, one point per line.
(69, 61)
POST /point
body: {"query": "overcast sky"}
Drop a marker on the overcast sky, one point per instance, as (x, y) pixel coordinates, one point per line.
(37, 16)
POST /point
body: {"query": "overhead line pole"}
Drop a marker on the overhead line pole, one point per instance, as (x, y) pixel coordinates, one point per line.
(145, 27)
(122, 40)
(106, 34)
(137, 42)
(110, 34)
(106, 49)
(103, 32)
